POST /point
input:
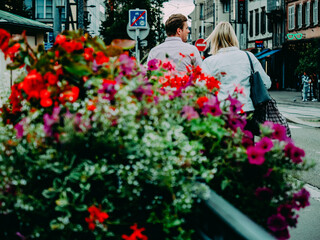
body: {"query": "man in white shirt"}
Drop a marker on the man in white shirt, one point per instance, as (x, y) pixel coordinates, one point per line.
(175, 47)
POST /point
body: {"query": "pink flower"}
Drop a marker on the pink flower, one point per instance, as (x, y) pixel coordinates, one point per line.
(294, 153)
(255, 155)
(212, 106)
(301, 199)
(19, 127)
(189, 113)
(277, 222)
(279, 132)
(265, 144)
(235, 104)
(153, 64)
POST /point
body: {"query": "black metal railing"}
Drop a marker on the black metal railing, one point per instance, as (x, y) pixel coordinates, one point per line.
(217, 219)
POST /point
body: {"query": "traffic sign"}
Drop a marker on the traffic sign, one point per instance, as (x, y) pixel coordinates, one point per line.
(138, 18)
(142, 33)
(201, 44)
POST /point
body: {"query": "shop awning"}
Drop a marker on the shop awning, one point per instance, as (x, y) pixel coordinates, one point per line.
(262, 52)
(267, 54)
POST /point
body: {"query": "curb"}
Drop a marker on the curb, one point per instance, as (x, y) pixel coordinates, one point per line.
(299, 121)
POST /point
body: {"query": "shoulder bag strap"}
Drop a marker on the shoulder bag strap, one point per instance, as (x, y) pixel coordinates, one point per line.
(252, 70)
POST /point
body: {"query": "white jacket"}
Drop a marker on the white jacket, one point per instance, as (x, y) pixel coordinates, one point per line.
(172, 49)
(232, 67)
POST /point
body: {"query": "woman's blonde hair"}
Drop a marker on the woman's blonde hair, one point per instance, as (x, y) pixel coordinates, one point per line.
(222, 36)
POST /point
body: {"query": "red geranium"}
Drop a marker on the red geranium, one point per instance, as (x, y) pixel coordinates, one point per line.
(32, 84)
(15, 98)
(4, 40)
(136, 234)
(69, 95)
(96, 215)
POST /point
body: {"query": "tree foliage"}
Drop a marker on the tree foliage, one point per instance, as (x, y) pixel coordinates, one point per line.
(309, 61)
(117, 18)
(16, 7)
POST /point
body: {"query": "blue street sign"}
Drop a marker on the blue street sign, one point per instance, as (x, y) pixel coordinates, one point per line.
(137, 18)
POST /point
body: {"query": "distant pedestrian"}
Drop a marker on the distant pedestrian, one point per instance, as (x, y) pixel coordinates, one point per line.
(175, 47)
(314, 82)
(233, 67)
(305, 80)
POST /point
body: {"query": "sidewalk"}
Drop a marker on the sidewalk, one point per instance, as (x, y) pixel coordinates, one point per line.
(291, 106)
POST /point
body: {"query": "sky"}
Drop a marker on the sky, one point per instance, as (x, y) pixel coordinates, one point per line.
(177, 6)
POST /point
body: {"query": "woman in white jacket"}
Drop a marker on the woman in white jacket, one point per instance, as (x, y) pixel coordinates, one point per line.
(232, 66)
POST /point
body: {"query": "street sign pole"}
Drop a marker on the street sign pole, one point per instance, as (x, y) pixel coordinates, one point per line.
(137, 45)
(138, 27)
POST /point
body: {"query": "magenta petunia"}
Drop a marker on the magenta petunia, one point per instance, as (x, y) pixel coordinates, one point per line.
(153, 64)
(212, 106)
(235, 104)
(277, 222)
(301, 199)
(255, 155)
(235, 122)
(189, 113)
(265, 144)
(294, 153)
(19, 128)
(279, 132)
(282, 235)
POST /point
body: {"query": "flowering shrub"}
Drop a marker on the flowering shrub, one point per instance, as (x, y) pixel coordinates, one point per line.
(95, 146)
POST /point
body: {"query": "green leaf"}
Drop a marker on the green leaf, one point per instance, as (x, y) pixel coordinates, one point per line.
(78, 69)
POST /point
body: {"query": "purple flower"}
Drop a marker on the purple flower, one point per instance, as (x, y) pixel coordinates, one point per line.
(234, 122)
(286, 210)
(153, 64)
(301, 199)
(50, 120)
(235, 104)
(19, 128)
(277, 222)
(127, 64)
(264, 193)
(143, 90)
(189, 113)
(265, 144)
(255, 155)
(108, 89)
(212, 106)
(294, 153)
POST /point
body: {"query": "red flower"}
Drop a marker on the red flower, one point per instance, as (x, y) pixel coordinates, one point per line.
(95, 215)
(4, 40)
(201, 101)
(136, 234)
(32, 84)
(51, 78)
(101, 58)
(15, 98)
(60, 39)
(88, 54)
(70, 95)
(12, 50)
(46, 102)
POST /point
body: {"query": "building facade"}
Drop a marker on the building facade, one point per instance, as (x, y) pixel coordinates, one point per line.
(302, 29)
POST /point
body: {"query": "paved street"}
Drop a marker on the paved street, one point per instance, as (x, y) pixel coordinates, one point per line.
(306, 116)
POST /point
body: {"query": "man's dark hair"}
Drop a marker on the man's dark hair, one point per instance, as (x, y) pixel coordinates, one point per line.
(174, 22)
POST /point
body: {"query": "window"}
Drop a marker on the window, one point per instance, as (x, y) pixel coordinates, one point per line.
(44, 9)
(251, 24)
(291, 17)
(270, 26)
(257, 22)
(299, 10)
(226, 6)
(201, 11)
(263, 20)
(315, 12)
(307, 14)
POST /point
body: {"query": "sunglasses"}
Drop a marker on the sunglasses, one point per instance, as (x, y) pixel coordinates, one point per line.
(292, 35)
